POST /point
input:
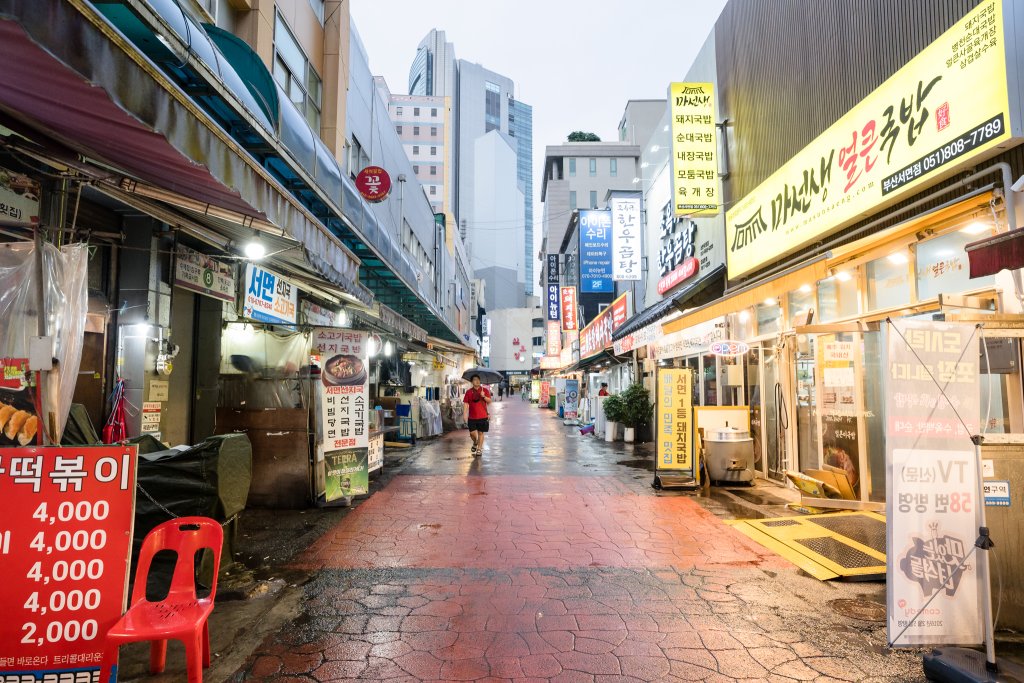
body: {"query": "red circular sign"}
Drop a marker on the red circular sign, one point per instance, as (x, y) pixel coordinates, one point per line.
(374, 183)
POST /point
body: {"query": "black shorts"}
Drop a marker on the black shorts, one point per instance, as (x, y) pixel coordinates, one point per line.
(478, 425)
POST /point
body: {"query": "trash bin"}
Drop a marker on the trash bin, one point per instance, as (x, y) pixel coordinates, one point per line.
(729, 454)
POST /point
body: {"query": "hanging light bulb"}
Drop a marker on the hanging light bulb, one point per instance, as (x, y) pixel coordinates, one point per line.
(254, 249)
(389, 348)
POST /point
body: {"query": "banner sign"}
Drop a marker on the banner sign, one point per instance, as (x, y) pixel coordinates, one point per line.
(932, 510)
(597, 336)
(316, 315)
(570, 311)
(689, 341)
(550, 362)
(19, 197)
(840, 441)
(545, 394)
(642, 337)
(675, 421)
(375, 456)
(553, 303)
(945, 107)
(65, 547)
(595, 231)
(269, 298)
(572, 399)
(344, 390)
(626, 238)
(694, 149)
(552, 269)
(535, 390)
(554, 338)
(204, 275)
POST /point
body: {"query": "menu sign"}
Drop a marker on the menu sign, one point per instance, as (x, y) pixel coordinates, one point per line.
(626, 238)
(344, 392)
(204, 275)
(65, 546)
(674, 430)
(840, 440)
(269, 298)
(694, 149)
(932, 486)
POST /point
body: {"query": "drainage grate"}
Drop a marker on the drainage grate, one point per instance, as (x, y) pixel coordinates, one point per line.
(839, 553)
(781, 522)
(865, 530)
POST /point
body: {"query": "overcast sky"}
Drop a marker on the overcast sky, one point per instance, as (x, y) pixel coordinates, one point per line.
(576, 62)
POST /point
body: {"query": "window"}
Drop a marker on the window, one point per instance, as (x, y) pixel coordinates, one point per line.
(415, 150)
(572, 199)
(942, 262)
(492, 107)
(613, 167)
(838, 297)
(433, 112)
(415, 130)
(398, 129)
(318, 9)
(800, 302)
(769, 317)
(433, 189)
(888, 281)
(398, 111)
(415, 169)
(538, 341)
(593, 167)
(433, 131)
(415, 111)
(294, 74)
(572, 167)
(538, 322)
(433, 151)
(433, 170)
(593, 199)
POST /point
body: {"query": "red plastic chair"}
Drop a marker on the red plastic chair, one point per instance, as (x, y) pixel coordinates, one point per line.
(182, 615)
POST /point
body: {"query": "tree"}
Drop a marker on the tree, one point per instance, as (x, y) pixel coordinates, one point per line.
(581, 136)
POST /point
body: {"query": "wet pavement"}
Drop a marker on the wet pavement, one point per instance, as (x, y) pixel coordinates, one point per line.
(548, 560)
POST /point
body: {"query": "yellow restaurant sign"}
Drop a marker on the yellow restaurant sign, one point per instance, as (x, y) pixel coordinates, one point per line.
(694, 149)
(675, 420)
(947, 105)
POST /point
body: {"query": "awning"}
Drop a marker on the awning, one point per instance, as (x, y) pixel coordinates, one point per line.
(591, 361)
(1004, 251)
(704, 290)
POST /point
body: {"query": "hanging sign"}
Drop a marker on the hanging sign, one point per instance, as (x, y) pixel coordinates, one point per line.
(344, 391)
(204, 275)
(570, 312)
(626, 238)
(597, 336)
(595, 233)
(374, 183)
(674, 430)
(694, 149)
(943, 109)
(269, 298)
(535, 390)
(642, 337)
(316, 315)
(572, 399)
(19, 197)
(554, 338)
(65, 546)
(932, 506)
(553, 303)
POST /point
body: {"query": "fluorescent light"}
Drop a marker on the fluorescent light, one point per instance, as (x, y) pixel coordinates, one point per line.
(898, 258)
(744, 315)
(976, 228)
(805, 289)
(254, 250)
(388, 348)
(771, 301)
(844, 276)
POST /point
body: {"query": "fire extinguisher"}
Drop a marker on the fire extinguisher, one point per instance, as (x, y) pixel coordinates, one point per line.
(116, 427)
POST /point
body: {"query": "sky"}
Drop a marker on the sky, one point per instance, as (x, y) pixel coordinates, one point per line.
(576, 62)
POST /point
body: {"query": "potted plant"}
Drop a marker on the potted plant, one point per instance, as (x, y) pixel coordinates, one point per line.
(613, 415)
(636, 410)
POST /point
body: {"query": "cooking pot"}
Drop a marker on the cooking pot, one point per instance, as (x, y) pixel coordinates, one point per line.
(729, 454)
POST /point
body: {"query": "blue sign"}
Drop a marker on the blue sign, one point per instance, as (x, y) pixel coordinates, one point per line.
(269, 298)
(595, 232)
(554, 309)
(997, 493)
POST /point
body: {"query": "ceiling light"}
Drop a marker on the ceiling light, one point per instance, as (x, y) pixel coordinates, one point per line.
(771, 301)
(898, 258)
(744, 315)
(254, 249)
(976, 228)
(389, 348)
(805, 289)
(843, 276)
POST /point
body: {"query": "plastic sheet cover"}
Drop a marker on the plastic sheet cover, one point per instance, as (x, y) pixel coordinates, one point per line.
(66, 302)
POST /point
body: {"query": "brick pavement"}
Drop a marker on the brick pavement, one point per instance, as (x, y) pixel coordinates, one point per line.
(545, 561)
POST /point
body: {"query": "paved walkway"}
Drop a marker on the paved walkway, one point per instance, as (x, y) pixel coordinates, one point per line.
(547, 560)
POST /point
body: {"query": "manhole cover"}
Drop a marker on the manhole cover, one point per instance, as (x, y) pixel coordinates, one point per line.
(865, 610)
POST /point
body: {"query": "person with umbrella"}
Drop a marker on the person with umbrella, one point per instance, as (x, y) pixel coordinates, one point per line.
(476, 400)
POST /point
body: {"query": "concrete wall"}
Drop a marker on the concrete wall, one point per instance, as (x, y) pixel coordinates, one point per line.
(507, 325)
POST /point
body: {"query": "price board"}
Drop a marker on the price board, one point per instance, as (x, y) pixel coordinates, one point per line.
(65, 547)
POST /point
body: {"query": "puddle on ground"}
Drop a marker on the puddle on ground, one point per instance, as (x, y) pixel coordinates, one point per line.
(643, 464)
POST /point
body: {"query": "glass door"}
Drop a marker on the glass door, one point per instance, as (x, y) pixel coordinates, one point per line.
(775, 417)
(806, 403)
(752, 369)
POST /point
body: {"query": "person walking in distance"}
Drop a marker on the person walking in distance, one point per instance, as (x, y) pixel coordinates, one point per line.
(476, 400)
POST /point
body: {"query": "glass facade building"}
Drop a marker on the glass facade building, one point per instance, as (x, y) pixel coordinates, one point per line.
(520, 125)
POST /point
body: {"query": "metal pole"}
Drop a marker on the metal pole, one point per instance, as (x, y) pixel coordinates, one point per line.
(984, 572)
(43, 376)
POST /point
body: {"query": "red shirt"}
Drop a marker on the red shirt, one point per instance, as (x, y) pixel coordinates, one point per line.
(477, 409)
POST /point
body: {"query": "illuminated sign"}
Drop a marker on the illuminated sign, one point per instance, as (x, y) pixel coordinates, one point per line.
(626, 238)
(728, 348)
(694, 150)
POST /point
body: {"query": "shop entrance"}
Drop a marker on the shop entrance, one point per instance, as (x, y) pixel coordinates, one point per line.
(776, 414)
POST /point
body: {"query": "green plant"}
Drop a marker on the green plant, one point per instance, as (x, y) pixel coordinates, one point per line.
(636, 406)
(582, 136)
(614, 409)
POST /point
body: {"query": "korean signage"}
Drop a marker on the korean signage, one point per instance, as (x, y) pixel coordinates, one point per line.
(13, 374)
(572, 399)
(65, 547)
(316, 315)
(626, 231)
(597, 336)
(269, 298)
(674, 431)
(553, 304)
(545, 393)
(344, 391)
(204, 275)
(535, 390)
(840, 429)
(932, 488)
(642, 337)
(694, 150)
(570, 310)
(595, 231)
(944, 108)
(552, 269)
(550, 362)
(690, 341)
(374, 183)
(375, 455)
(19, 197)
(554, 338)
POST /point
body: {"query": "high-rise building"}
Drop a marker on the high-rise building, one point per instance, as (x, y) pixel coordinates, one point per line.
(433, 70)
(520, 123)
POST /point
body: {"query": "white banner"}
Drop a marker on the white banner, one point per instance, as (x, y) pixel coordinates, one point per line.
(204, 275)
(931, 477)
(626, 238)
(345, 383)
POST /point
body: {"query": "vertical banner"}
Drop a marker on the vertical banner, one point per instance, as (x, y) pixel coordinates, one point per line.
(344, 393)
(572, 399)
(931, 477)
(675, 421)
(65, 546)
(545, 394)
(535, 390)
(570, 311)
(595, 233)
(554, 338)
(552, 287)
(840, 439)
(694, 149)
(626, 238)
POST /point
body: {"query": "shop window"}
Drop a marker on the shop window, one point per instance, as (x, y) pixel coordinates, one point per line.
(888, 281)
(838, 297)
(800, 303)
(743, 323)
(710, 379)
(1000, 380)
(941, 263)
(769, 317)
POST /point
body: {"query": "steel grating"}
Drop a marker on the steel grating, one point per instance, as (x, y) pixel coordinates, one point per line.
(780, 522)
(864, 529)
(837, 552)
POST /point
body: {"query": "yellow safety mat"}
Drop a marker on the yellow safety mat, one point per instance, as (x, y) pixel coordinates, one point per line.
(837, 545)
